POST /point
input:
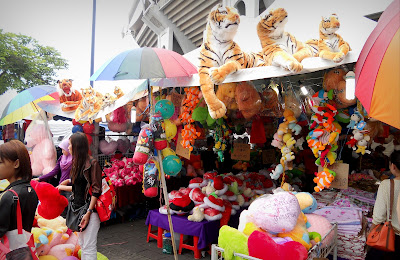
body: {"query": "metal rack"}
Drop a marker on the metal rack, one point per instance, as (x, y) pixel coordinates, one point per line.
(317, 251)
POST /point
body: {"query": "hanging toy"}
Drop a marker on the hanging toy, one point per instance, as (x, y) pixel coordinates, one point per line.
(165, 108)
(151, 172)
(159, 136)
(324, 179)
(143, 145)
(172, 165)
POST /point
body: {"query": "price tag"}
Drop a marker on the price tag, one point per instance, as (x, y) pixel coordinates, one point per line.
(241, 152)
(184, 152)
(341, 180)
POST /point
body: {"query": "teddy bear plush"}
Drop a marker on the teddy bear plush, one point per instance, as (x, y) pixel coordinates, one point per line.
(226, 93)
(198, 215)
(69, 98)
(43, 156)
(248, 99)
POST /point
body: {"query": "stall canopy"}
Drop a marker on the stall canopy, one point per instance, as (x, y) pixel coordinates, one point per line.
(304, 25)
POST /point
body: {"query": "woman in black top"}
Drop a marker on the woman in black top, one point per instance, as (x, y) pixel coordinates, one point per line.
(15, 166)
(85, 174)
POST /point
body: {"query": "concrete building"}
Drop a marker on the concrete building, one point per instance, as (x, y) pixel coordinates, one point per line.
(178, 25)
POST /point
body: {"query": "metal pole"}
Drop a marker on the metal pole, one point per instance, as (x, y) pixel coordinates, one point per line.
(93, 40)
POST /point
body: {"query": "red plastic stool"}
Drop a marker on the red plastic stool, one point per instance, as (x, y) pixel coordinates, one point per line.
(156, 234)
(197, 252)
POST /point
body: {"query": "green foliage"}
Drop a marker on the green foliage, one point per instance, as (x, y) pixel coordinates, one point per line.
(25, 63)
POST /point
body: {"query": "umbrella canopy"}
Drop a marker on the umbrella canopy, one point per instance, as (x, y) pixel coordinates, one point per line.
(24, 104)
(145, 63)
(377, 69)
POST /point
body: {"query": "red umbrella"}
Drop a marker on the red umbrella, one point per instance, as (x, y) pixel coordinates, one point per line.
(378, 67)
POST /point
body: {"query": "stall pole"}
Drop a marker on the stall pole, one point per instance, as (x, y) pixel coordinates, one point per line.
(164, 188)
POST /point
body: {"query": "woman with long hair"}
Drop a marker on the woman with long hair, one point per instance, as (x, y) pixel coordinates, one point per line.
(85, 173)
(382, 206)
(15, 166)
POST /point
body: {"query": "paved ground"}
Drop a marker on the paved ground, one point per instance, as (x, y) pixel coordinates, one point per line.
(127, 240)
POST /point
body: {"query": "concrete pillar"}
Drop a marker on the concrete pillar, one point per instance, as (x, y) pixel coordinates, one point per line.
(166, 39)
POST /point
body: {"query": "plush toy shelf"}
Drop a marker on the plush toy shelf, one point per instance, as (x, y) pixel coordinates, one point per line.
(317, 251)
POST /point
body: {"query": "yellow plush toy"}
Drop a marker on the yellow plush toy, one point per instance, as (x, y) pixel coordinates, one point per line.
(40, 236)
(54, 224)
(226, 93)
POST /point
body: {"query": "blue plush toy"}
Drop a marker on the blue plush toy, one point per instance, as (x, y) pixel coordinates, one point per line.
(308, 203)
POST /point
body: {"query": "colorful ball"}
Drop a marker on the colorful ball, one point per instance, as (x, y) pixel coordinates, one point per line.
(77, 128)
(88, 128)
(167, 151)
(172, 165)
(170, 129)
(165, 107)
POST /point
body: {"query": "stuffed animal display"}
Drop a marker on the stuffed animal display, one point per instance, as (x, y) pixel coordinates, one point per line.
(330, 45)
(248, 99)
(190, 102)
(335, 80)
(220, 55)
(69, 97)
(280, 48)
(43, 157)
(123, 172)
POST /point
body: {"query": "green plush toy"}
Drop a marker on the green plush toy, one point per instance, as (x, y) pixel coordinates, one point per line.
(232, 240)
(234, 188)
(100, 256)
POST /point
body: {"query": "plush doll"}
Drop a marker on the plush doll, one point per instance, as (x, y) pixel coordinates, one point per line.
(280, 48)
(181, 203)
(248, 99)
(40, 236)
(43, 156)
(275, 213)
(142, 109)
(324, 179)
(69, 98)
(52, 203)
(57, 223)
(322, 226)
(198, 215)
(57, 237)
(62, 251)
(232, 240)
(262, 246)
(299, 233)
(307, 202)
(355, 119)
(362, 145)
(330, 45)
(220, 55)
(226, 93)
(335, 80)
(157, 127)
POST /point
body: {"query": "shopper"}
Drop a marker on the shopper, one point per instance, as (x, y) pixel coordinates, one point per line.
(208, 157)
(15, 166)
(85, 173)
(381, 209)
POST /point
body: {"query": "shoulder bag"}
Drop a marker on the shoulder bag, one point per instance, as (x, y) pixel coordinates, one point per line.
(17, 244)
(382, 236)
(75, 215)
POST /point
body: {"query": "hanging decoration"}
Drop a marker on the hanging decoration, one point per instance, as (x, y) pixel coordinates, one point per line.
(189, 132)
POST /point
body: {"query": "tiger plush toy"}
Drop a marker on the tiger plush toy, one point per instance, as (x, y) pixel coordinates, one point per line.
(280, 48)
(91, 103)
(69, 98)
(220, 55)
(330, 45)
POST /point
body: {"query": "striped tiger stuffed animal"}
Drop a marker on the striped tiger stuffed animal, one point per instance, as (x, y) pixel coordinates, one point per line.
(280, 48)
(330, 45)
(220, 55)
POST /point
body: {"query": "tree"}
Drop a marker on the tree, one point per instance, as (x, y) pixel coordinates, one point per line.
(25, 63)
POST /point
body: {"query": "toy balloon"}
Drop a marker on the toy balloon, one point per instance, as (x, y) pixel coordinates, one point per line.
(167, 151)
(165, 107)
(75, 123)
(88, 128)
(170, 129)
(77, 128)
(89, 138)
(172, 165)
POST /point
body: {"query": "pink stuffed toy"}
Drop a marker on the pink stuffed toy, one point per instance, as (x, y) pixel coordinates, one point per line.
(44, 156)
(262, 246)
(52, 203)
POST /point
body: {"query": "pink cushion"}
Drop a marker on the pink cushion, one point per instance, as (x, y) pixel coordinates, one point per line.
(321, 225)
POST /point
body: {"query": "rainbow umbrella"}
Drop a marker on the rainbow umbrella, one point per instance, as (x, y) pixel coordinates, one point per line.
(378, 69)
(24, 104)
(145, 63)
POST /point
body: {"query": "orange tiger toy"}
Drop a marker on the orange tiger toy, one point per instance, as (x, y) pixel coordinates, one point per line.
(280, 48)
(90, 105)
(69, 98)
(221, 52)
(330, 45)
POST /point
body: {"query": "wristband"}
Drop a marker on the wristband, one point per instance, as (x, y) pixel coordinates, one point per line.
(90, 210)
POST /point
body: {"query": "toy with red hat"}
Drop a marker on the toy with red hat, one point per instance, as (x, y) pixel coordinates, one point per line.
(197, 183)
(197, 196)
(212, 214)
(181, 204)
(219, 186)
(214, 202)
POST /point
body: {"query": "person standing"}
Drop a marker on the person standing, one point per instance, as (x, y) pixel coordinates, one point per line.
(382, 207)
(85, 173)
(15, 166)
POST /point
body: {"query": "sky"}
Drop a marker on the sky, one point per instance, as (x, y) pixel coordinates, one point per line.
(67, 26)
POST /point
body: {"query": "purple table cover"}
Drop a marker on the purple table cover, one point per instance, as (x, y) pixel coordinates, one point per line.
(207, 231)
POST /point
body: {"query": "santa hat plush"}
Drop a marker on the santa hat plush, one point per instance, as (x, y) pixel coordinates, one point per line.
(235, 205)
(174, 194)
(212, 214)
(163, 210)
(219, 186)
(209, 175)
(197, 196)
(185, 191)
(214, 202)
(229, 195)
(197, 183)
(181, 203)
